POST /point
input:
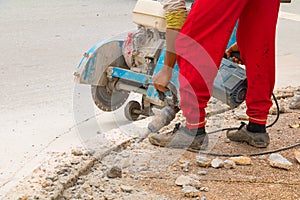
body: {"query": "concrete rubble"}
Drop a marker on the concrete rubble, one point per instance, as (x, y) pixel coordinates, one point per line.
(217, 163)
(114, 172)
(183, 180)
(295, 103)
(278, 161)
(203, 161)
(229, 164)
(190, 191)
(241, 160)
(132, 170)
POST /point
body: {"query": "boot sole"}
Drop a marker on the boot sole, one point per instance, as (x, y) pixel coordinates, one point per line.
(247, 139)
(161, 144)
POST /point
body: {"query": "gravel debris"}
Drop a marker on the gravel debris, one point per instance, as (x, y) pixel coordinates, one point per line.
(295, 103)
(183, 180)
(203, 173)
(229, 164)
(126, 188)
(190, 191)
(217, 163)
(114, 172)
(278, 161)
(241, 160)
(203, 161)
(204, 189)
(147, 172)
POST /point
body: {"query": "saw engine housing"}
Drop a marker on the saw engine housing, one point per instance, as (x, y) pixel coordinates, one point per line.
(142, 48)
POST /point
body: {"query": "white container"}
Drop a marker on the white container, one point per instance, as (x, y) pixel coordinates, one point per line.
(150, 14)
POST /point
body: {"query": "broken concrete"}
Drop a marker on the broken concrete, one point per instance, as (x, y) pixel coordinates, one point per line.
(278, 161)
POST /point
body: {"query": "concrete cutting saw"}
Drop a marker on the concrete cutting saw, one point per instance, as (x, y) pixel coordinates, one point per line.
(127, 63)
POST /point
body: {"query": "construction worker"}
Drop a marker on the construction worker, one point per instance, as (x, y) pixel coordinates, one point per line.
(200, 46)
(176, 14)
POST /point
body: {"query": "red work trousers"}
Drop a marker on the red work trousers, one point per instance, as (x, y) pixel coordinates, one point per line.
(202, 42)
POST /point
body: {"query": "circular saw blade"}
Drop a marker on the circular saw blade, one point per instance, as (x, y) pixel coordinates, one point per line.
(107, 100)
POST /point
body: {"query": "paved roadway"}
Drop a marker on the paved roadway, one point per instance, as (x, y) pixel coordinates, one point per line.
(42, 43)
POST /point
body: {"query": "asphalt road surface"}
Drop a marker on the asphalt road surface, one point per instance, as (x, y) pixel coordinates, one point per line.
(42, 42)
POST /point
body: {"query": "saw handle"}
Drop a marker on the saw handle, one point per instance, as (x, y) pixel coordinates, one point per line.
(173, 90)
(235, 54)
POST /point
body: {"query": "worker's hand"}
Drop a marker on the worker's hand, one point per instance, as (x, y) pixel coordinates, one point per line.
(162, 78)
(233, 48)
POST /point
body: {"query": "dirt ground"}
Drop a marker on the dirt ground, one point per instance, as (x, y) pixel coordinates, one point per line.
(145, 171)
(154, 170)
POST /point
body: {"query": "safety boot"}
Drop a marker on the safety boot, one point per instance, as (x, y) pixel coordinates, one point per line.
(260, 140)
(183, 138)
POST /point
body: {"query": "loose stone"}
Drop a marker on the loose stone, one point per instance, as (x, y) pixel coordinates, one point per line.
(278, 161)
(195, 177)
(204, 189)
(202, 173)
(126, 188)
(203, 161)
(295, 103)
(241, 160)
(88, 152)
(76, 152)
(229, 164)
(183, 180)
(114, 172)
(51, 177)
(74, 162)
(217, 163)
(190, 191)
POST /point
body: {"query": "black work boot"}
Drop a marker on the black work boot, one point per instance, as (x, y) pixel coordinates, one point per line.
(257, 139)
(183, 138)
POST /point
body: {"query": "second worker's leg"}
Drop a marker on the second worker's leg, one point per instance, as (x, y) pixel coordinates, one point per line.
(256, 41)
(200, 47)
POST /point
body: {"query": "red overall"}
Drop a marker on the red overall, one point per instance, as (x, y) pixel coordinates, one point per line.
(201, 44)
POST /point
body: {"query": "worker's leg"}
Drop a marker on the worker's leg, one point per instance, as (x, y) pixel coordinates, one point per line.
(200, 47)
(256, 41)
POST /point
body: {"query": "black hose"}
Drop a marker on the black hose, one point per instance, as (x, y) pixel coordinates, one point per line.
(251, 154)
(243, 123)
(277, 110)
